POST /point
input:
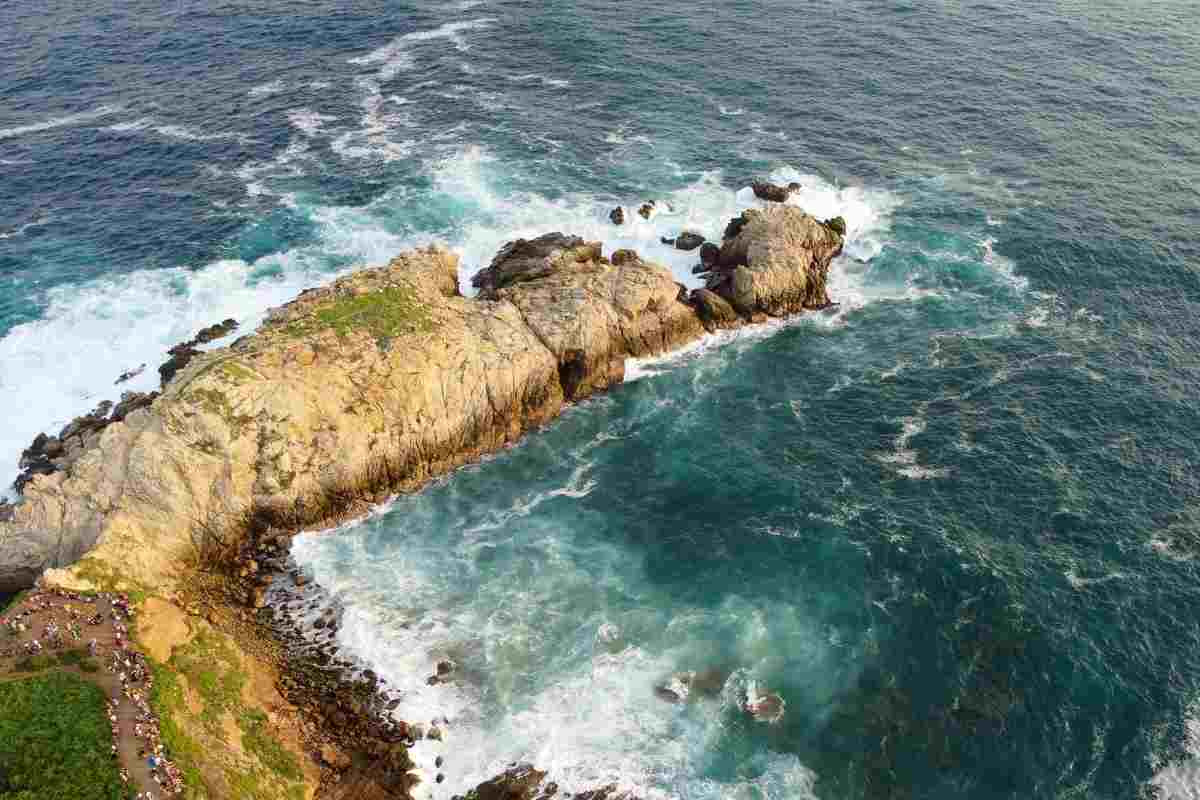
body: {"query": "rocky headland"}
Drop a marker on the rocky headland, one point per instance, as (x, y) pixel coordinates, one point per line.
(368, 386)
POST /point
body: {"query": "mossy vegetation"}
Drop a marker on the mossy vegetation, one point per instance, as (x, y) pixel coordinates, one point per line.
(195, 694)
(271, 754)
(384, 314)
(54, 741)
(105, 578)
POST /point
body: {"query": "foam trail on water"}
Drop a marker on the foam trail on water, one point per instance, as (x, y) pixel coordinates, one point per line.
(60, 122)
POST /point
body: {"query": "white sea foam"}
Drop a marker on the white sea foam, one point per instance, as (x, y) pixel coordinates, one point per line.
(307, 121)
(534, 77)
(903, 458)
(396, 56)
(571, 692)
(267, 89)
(60, 122)
(382, 117)
(65, 363)
(731, 112)
(174, 131)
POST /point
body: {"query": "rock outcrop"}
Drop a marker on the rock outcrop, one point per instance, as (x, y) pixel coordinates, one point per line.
(523, 782)
(775, 261)
(688, 240)
(774, 192)
(617, 216)
(49, 454)
(376, 383)
(182, 353)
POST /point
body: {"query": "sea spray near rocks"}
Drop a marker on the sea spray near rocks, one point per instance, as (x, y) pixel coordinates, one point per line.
(556, 324)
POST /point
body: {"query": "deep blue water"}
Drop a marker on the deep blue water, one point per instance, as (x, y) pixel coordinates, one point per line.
(954, 526)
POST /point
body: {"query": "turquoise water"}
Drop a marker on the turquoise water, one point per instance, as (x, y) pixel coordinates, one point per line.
(953, 525)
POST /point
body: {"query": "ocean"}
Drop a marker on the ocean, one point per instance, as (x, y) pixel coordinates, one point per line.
(953, 524)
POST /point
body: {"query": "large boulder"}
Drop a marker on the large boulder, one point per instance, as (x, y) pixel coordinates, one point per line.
(714, 310)
(529, 259)
(775, 260)
(688, 240)
(592, 314)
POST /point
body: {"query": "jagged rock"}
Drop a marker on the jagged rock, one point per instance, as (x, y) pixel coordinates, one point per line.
(768, 708)
(647, 209)
(773, 192)
(49, 454)
(129, 375)
(130, 402)
(624, 257)
(837, 225)
(523, 782)
(183, 353)
(216, 331)
(713, 309)
(684, 241)
(334, 757)
(777, 262)
(593, 314)
(710, 254)
(529, 259)
(519, 782)
(617, 216)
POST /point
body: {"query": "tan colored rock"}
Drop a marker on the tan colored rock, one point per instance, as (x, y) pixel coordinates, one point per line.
(592, 315)
(334, 757)
(776, 260)
(374, 384)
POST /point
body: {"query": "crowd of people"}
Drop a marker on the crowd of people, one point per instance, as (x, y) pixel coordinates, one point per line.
(63, 616)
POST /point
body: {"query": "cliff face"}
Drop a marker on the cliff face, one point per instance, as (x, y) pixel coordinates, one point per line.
(378, 382)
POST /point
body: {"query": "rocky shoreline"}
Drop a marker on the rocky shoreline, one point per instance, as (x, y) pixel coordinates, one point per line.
(371, 385)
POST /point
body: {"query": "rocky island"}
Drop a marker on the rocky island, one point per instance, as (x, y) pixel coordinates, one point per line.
(353, 391)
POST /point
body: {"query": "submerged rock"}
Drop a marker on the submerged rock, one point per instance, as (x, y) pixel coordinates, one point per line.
(617, 216)
(129, 375)
(768, 708)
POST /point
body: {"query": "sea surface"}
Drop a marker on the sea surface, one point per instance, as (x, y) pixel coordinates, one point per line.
(955, 525)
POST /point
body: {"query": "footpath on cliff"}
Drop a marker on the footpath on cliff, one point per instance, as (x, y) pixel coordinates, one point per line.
(88, 636)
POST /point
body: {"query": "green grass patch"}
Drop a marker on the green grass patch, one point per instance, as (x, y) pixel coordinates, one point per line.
(270, 753)
(168, 702)
(55, 741)
(106, 579)
(213, 670)
(11, 600)
(38, 663)
(385, 314)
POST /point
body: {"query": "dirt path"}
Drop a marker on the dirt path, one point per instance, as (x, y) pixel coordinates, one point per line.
(136, 730)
